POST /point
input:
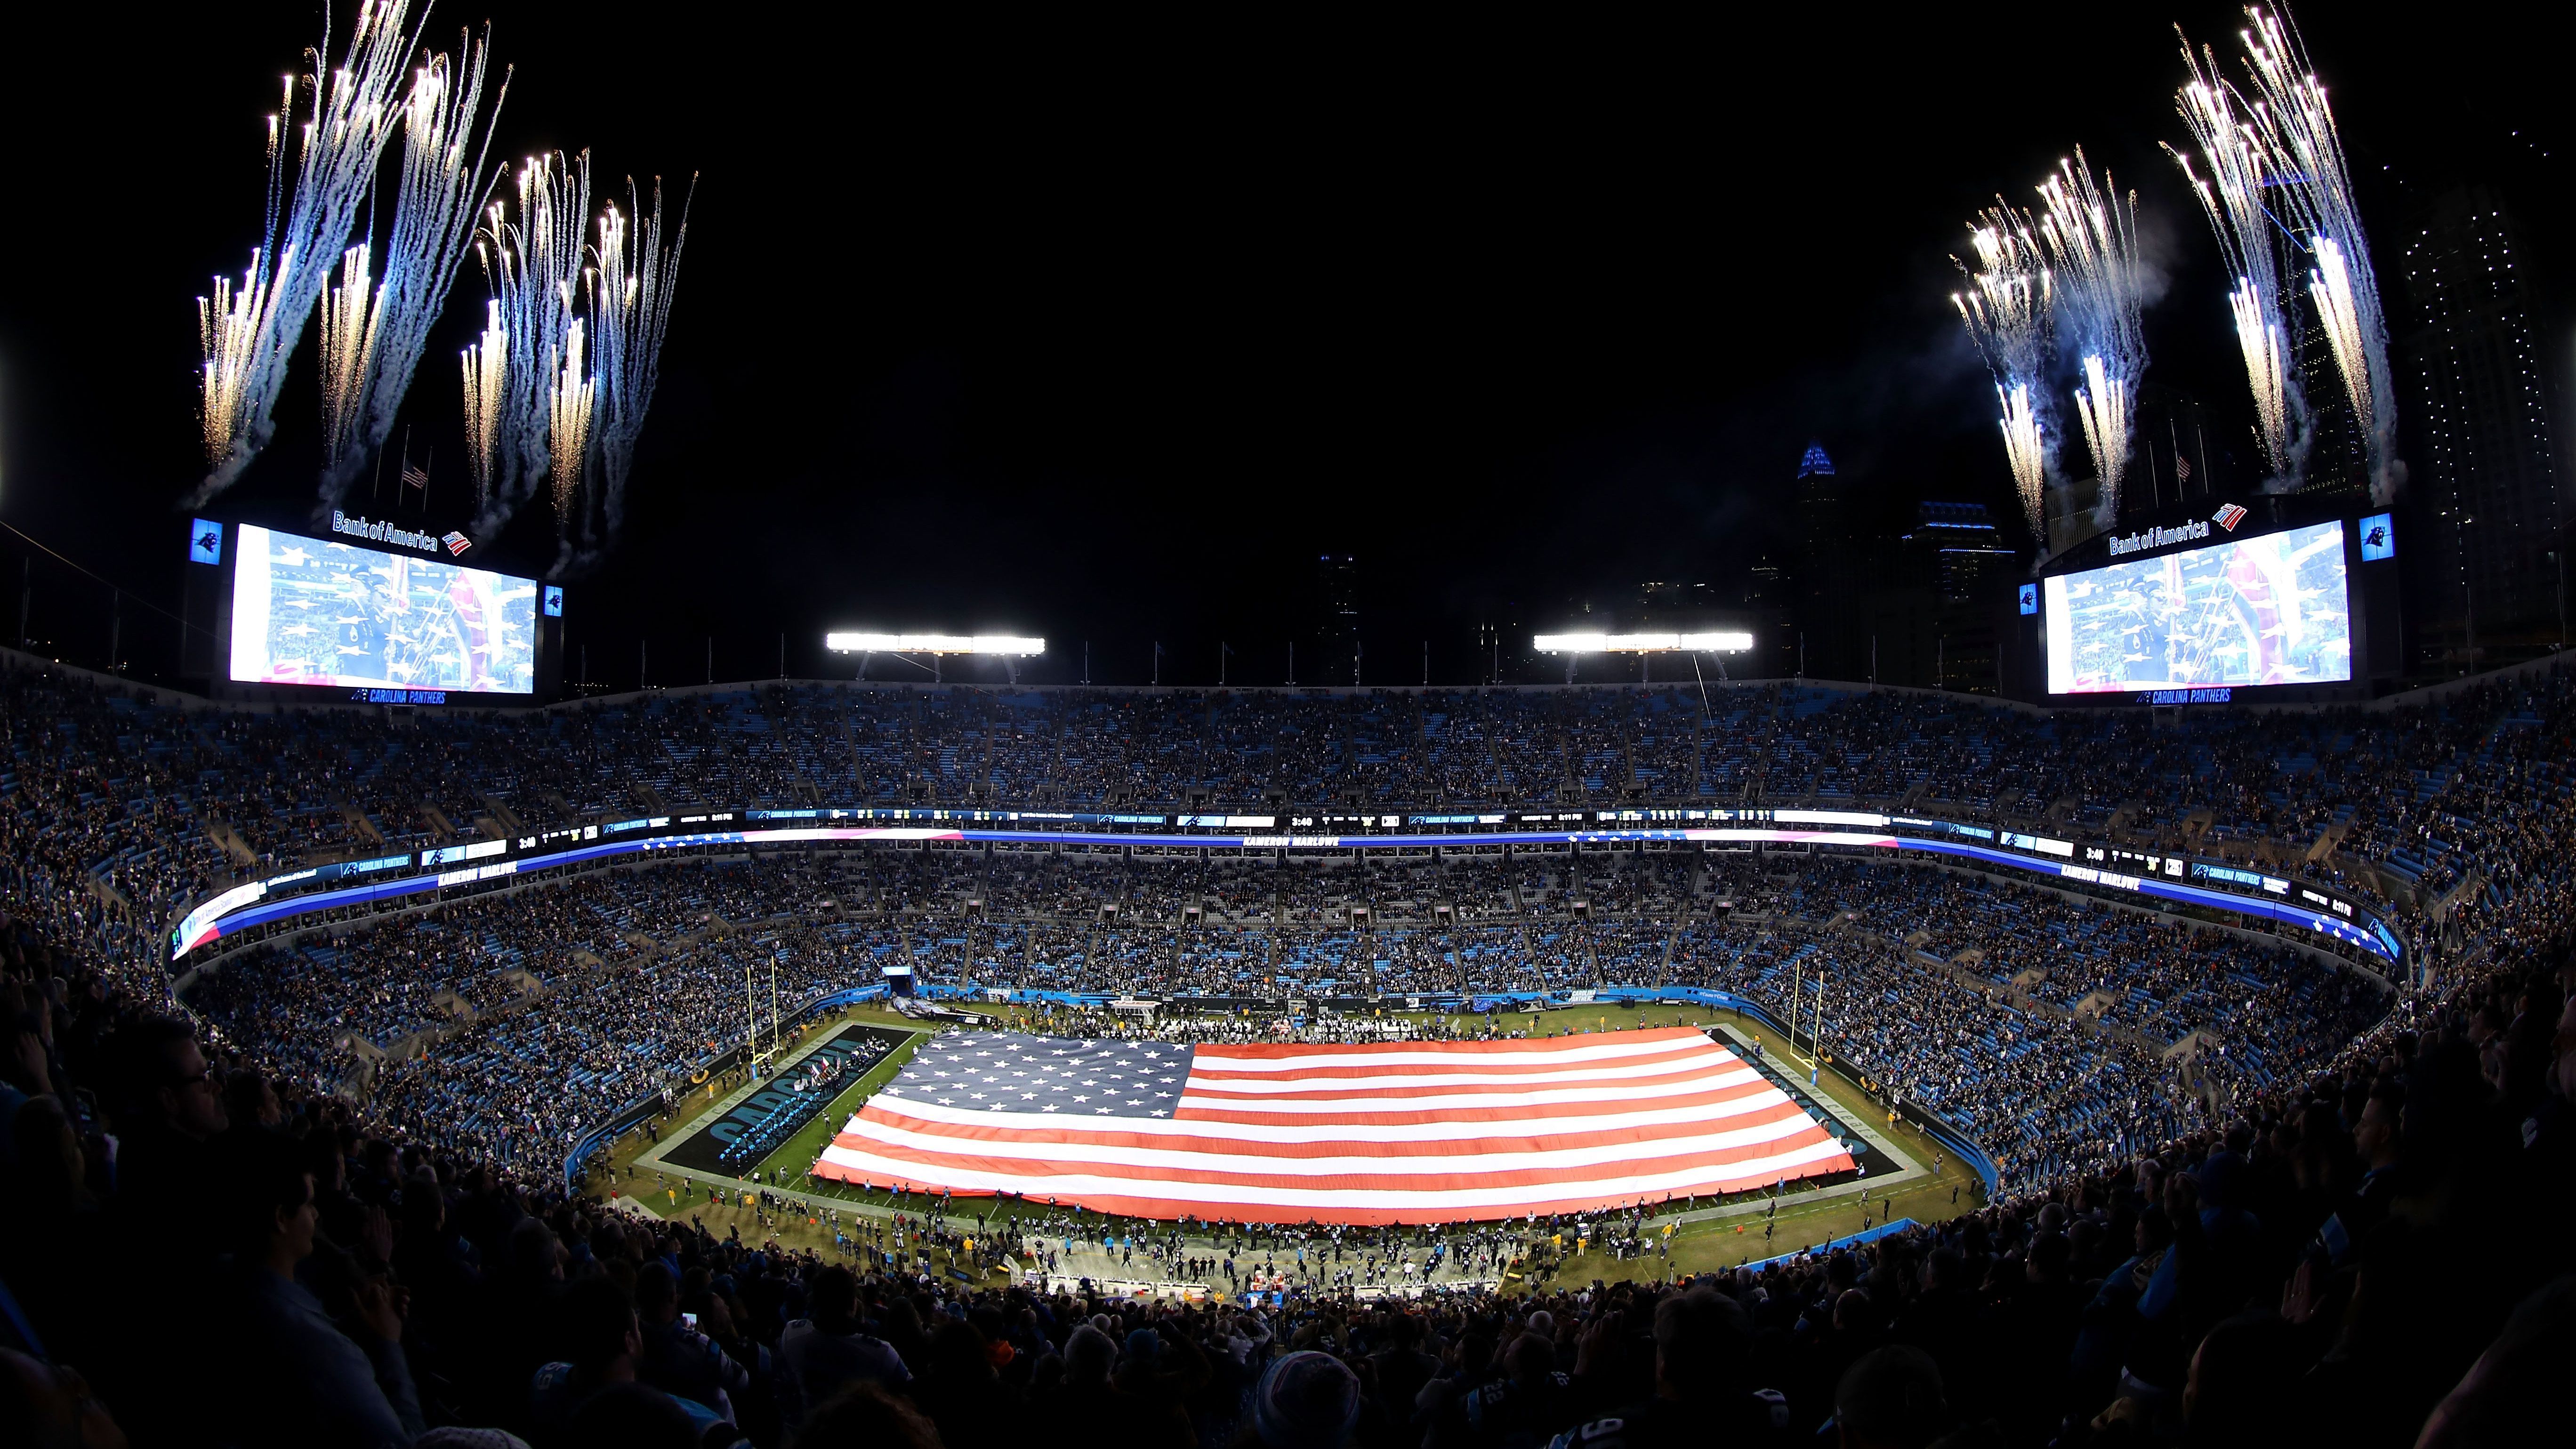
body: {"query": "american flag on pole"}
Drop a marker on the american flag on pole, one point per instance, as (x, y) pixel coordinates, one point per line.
(1373, 1133)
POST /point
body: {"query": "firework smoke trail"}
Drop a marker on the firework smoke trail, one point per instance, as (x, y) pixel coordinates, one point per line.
(2007, 312)
(631, 310)
(249, 333)
(571, 404)
(2348, 336)
(231, 327)
(486, 389)
(346, 316)
(2090, 232)
(445, 178)
(2232, 195)
(2102, 406)
(2026, 453)
(235, 326)
(2297, 127)
(534, 266)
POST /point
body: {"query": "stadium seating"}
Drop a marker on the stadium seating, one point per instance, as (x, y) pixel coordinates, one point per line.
(2192, 1121)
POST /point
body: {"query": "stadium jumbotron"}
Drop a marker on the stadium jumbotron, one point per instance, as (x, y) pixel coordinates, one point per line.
(1142, 821)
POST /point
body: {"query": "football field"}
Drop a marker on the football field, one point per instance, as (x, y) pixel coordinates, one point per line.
(1927, 1186)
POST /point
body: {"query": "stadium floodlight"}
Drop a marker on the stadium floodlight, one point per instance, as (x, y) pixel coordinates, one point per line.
(1006, 644)
(1720, 643)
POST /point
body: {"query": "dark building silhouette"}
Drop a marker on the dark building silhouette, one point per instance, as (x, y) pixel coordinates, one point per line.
(1337, 620)
(2486, 492)
(2180, 454)
(2338, 468)
(1957, 549)
(1832, 640)
(1820, 500)
(1771, 611)
(1930, 618)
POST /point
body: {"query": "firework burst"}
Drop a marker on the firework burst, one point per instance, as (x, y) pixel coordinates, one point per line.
(534, 267)
(445, 177)
(2296, 127)
(346, 335)
(571, 405)
(2007, 310)
(319, 174)
(2230, 185)
(2090, 233)
(487, 365)
(637, 275)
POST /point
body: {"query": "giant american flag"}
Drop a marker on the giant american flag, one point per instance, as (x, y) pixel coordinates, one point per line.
(1371, 1133)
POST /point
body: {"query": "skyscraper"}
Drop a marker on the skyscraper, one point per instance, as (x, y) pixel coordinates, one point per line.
(1956, 560)
(1961, 551)
(1337, 618)
(1770, 606)
(2488, 497)
(1820, 497)
(2338, 462)
(1828, 555)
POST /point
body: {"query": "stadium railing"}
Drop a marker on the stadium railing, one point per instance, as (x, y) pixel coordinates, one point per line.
(1864, 1236)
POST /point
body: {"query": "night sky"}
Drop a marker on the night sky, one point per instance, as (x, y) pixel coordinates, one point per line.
(1105, 332)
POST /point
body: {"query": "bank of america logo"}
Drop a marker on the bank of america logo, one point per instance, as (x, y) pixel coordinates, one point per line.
(2227, 517)
(458, 543)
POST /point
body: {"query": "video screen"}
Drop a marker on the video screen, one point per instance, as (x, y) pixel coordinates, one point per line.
(2257, 611)
(310, 612)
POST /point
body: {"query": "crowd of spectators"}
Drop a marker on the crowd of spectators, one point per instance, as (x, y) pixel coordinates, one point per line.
(2036, 1023)
(2042, 1024)
(2284, 1142)
(207, 784)
(2292, 1273)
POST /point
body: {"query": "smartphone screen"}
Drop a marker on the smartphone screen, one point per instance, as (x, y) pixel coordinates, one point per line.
(690, 1319)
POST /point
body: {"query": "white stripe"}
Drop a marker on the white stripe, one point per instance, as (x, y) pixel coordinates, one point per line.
(1198, 1083)
(1469, 1161)
(1647, 1186)
(1448, 1131)
(1401, 1057)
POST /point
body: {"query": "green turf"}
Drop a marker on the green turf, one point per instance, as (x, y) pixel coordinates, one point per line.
(799, 1151)
(1698, 1246)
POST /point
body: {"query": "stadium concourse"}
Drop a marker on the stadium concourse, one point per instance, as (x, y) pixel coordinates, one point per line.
(2239, 1169)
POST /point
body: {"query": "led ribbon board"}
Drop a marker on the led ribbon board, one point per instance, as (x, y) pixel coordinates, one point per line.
(246, 906)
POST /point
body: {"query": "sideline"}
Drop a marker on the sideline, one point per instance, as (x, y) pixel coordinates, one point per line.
(653, 1158)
